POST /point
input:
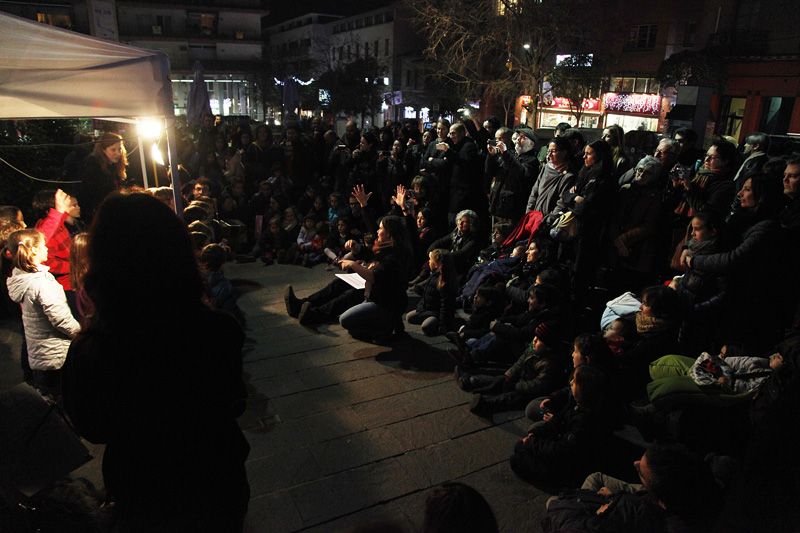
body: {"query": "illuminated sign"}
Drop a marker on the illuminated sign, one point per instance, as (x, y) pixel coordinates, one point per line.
(588, 104)
(648, 104)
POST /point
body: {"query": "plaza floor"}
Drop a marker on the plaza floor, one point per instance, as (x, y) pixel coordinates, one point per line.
(344, 433)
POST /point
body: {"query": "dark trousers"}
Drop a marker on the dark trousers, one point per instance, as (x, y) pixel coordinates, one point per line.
(334, 299)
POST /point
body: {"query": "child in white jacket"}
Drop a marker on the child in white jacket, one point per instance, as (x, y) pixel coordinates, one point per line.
(46, 317)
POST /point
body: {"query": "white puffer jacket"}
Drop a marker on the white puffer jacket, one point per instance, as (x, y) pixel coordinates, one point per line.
(49, 324)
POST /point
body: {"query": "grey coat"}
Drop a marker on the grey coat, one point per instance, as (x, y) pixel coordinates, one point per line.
(549, 187)
(49, 324)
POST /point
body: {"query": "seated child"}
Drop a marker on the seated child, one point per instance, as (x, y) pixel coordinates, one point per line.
(487, 305)
(274, 243)
(220, 290)
(539, 371)
(569, 444)
(509, 335)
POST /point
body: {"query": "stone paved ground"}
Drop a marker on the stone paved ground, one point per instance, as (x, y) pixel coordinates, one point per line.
(343, 432)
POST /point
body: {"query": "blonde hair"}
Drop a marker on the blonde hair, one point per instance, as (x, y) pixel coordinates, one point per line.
(78, 259)
(22, 244)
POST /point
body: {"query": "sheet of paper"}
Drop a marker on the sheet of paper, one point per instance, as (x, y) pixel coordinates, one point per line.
(354, 280)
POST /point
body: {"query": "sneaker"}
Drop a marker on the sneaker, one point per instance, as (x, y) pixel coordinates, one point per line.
(293, 303)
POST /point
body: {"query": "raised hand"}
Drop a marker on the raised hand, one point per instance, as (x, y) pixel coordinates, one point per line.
(361, 195)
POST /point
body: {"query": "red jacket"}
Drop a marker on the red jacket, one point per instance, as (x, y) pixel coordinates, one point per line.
(59, 242)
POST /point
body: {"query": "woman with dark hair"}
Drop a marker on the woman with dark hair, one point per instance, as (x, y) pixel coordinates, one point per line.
(103, 172)
(539, 256)
(156, 439)
(377, 309)
(555, 177)
(615, 137)
(385, 298)
(712, 188)
(590, 200)
(756, 266)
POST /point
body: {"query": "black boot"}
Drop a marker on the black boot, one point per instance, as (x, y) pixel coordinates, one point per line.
(293, 303)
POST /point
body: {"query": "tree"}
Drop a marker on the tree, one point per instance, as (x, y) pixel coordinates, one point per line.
(355, 87)
(702, 67)
(577, 77)
(501, 48)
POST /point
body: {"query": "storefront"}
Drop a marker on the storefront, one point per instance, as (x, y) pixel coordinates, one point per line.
(632, 111)
(559, 111)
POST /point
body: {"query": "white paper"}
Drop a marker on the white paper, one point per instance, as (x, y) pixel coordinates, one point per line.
(354, 280)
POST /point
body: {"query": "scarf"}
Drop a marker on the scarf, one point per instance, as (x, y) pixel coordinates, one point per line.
(651, 324)
(702, 247)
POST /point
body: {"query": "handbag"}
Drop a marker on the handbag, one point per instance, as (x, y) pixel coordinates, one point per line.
(565, 229)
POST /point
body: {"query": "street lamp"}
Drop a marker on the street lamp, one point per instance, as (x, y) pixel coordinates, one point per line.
(526, 46)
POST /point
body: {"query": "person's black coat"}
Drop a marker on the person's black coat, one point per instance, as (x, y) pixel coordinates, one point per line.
(441, 301)
(258, 163)
(164, 399)
(566, 449)
(512, 179)
(639, 217)
(463, 249)
(757, 271)
(718, 194)
(466, 185)
(640, 352)
(97, 183)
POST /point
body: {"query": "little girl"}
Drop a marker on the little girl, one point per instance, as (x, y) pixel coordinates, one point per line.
(435, 312)
(48, 322)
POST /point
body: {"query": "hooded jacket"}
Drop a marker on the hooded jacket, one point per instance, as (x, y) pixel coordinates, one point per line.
(49, 324)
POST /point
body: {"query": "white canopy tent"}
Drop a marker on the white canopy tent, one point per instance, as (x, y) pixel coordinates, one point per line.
(47, 72)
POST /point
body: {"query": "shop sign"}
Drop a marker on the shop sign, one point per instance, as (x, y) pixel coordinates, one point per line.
(649, 104)
(588, 104)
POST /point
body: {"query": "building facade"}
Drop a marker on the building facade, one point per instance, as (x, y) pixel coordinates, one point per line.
(224, 37)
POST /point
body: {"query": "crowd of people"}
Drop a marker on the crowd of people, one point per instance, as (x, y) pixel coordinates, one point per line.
(591, 284)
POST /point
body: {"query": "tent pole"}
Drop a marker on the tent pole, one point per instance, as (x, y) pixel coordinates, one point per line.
(141, 158)
(172, 153)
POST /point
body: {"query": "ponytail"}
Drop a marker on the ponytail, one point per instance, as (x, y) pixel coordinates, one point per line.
(22, 244)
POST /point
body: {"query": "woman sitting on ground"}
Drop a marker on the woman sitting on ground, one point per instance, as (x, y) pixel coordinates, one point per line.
(376, 310)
